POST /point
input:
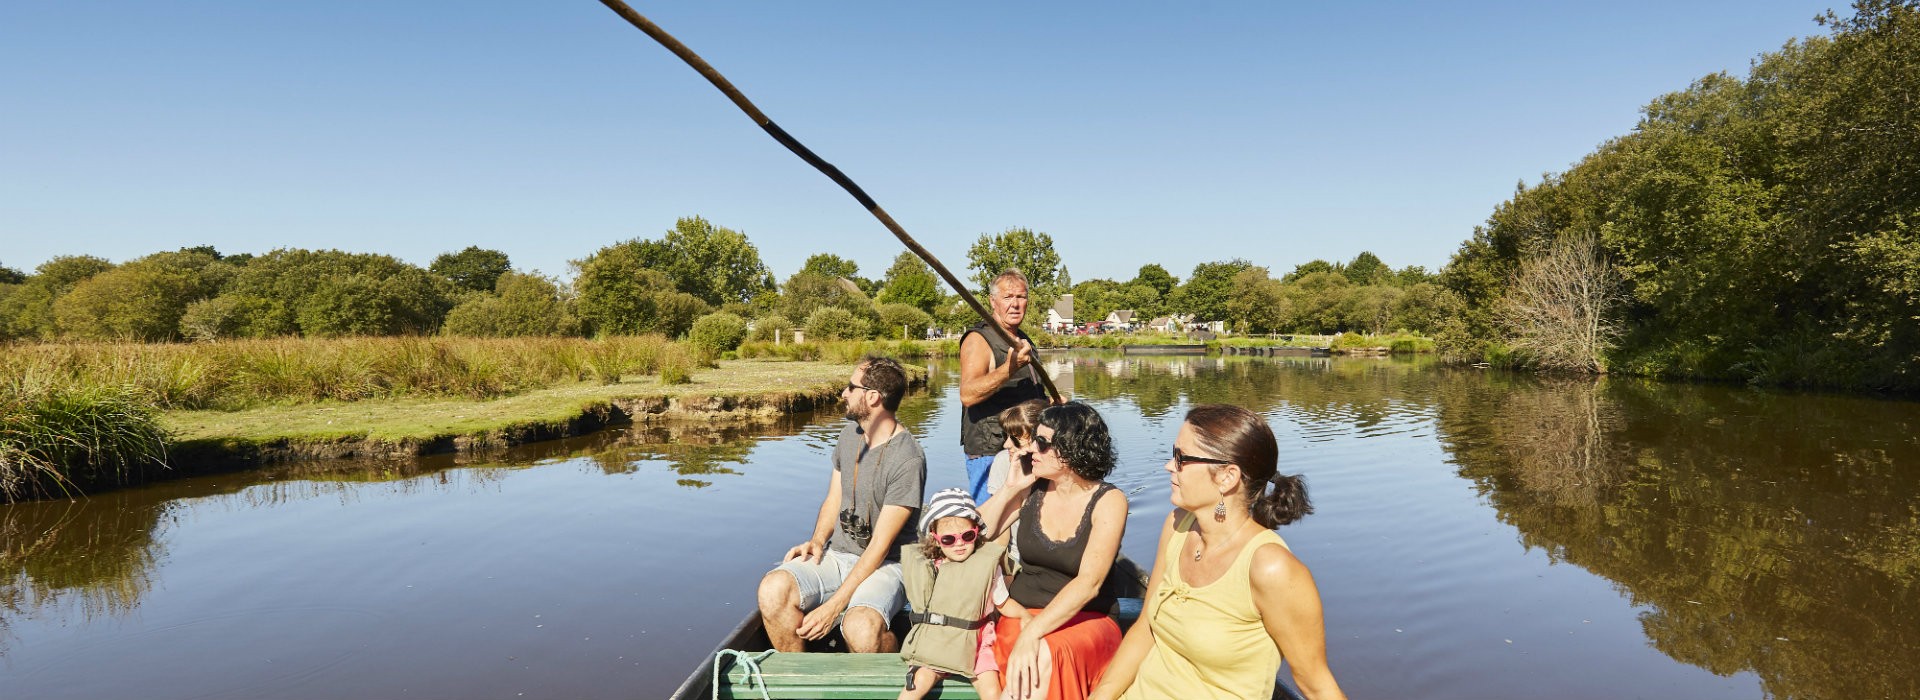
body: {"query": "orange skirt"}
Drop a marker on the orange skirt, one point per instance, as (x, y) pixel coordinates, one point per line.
(1081, 650)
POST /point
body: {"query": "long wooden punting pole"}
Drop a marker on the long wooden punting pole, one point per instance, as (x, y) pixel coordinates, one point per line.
(739, 100)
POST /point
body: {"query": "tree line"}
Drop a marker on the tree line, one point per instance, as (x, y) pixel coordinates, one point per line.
(1763, 230)
(697, 279)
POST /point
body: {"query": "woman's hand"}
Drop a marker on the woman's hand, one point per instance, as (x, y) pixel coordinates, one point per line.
(1028, 666)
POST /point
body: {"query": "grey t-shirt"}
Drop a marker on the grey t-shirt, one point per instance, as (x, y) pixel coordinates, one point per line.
(891, 474)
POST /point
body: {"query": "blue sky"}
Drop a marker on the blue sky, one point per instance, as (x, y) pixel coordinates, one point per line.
(1174, 133)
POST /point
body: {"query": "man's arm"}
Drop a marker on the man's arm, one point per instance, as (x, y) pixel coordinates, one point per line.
(979, 379)
(821, 620)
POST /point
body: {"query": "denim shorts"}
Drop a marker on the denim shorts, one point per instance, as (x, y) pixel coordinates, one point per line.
(818, 580)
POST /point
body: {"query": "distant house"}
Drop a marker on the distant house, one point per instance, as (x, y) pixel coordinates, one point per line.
(1060, 317)
(1164, 324)
(1119, 321)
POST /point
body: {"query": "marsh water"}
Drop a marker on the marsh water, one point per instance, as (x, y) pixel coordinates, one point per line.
(1477, 535)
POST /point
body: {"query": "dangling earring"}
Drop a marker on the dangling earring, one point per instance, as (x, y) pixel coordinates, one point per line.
(1220, 512)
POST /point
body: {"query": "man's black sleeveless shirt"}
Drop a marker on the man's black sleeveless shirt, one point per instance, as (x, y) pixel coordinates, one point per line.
(980, 432)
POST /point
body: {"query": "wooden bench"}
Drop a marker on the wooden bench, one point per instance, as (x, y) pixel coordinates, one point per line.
(831, 676)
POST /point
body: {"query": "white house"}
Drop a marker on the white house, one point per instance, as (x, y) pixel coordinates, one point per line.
(1119, 321)
(1060, 316)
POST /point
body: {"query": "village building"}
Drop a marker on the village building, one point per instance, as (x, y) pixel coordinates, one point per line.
(1060, 315)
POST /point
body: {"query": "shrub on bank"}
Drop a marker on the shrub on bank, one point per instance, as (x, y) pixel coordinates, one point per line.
(61, 440)
(718, 332)
(835, 323)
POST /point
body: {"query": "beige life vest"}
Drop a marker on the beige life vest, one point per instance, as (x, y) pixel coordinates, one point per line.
(949, 608)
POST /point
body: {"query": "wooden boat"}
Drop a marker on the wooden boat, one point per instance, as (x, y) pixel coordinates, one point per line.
(1188, 349)
(746, 666)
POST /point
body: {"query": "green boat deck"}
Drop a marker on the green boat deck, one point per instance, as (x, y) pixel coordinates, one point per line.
(843, 676)
(814, 676)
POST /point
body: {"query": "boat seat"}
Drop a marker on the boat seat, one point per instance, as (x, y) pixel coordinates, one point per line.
(833, 676)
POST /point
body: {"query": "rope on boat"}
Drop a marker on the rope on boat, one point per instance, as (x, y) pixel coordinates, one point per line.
(747, 660)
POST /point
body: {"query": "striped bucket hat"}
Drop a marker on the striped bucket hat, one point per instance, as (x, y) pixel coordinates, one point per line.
(948, 503)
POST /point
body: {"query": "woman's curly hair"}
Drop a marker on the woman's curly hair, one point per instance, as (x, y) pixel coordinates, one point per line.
(1081, 440)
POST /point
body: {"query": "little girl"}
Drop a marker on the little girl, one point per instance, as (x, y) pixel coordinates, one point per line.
(953, 584)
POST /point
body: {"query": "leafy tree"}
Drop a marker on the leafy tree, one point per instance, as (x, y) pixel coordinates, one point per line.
(619, 295)
(1310, 267)
(831, 265)
(1157, 277)
(1094, 299)
(1314, 302)
(1368, 308)
(333, 293)
(9, 275)
(522, 305)
(1256, 302)
(1017, 249)
(1207, 290)
(473, 268)
(1366, 269)
(909, 281)
(1412, 275)
(806, 292)
(141, 300)
(1425, 308)
(712, 263)
(28, 311)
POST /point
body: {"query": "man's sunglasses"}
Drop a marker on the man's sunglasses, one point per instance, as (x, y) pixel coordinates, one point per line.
(1183, 459)
(966, 535)
(851, 386)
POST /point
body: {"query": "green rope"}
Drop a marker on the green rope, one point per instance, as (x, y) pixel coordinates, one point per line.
(747, 660)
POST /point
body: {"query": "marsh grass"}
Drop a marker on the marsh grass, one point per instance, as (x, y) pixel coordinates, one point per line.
(57, 439)
(239, 374)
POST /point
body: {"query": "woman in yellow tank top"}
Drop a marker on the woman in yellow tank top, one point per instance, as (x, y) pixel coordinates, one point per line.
(1227, 599)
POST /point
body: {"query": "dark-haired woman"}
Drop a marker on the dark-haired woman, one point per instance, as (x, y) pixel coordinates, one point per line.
(1054, 637)
(1227, 600)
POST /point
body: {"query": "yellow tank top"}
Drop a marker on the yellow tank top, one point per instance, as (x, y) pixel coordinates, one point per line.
(1208, 641)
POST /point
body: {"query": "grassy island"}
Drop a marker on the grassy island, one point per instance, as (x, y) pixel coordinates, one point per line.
(79, 417)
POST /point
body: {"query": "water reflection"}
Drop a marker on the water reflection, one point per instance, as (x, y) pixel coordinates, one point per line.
(1772, 533)
(1769, 538)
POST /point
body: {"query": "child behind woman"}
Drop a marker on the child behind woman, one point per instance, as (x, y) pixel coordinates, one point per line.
(953, 584)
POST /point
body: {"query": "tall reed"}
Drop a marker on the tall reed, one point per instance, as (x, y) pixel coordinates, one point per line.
(59, 439)
(236, 374)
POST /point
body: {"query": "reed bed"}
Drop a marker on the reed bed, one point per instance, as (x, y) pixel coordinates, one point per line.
(849, 351)
(59, 440)
(238, 374)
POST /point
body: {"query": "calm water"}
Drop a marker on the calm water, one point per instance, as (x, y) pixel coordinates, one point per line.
(1478, 535)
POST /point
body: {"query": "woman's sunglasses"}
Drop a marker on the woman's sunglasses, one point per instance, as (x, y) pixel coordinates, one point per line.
(1183, 459)
(1041, 444)
(967, 535)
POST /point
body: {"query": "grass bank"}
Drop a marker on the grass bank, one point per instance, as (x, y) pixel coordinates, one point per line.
(78, 417)
(735, 390)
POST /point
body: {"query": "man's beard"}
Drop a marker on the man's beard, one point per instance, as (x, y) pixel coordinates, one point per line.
(856, 412)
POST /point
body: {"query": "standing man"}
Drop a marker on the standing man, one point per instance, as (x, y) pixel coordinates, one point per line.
(848, 572)
(993, 377)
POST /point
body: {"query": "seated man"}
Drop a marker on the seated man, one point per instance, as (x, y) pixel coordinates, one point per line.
(851, 564)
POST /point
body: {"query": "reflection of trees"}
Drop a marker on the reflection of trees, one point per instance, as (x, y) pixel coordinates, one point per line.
(1348, 394)
(93, 556)
(1777, 534)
